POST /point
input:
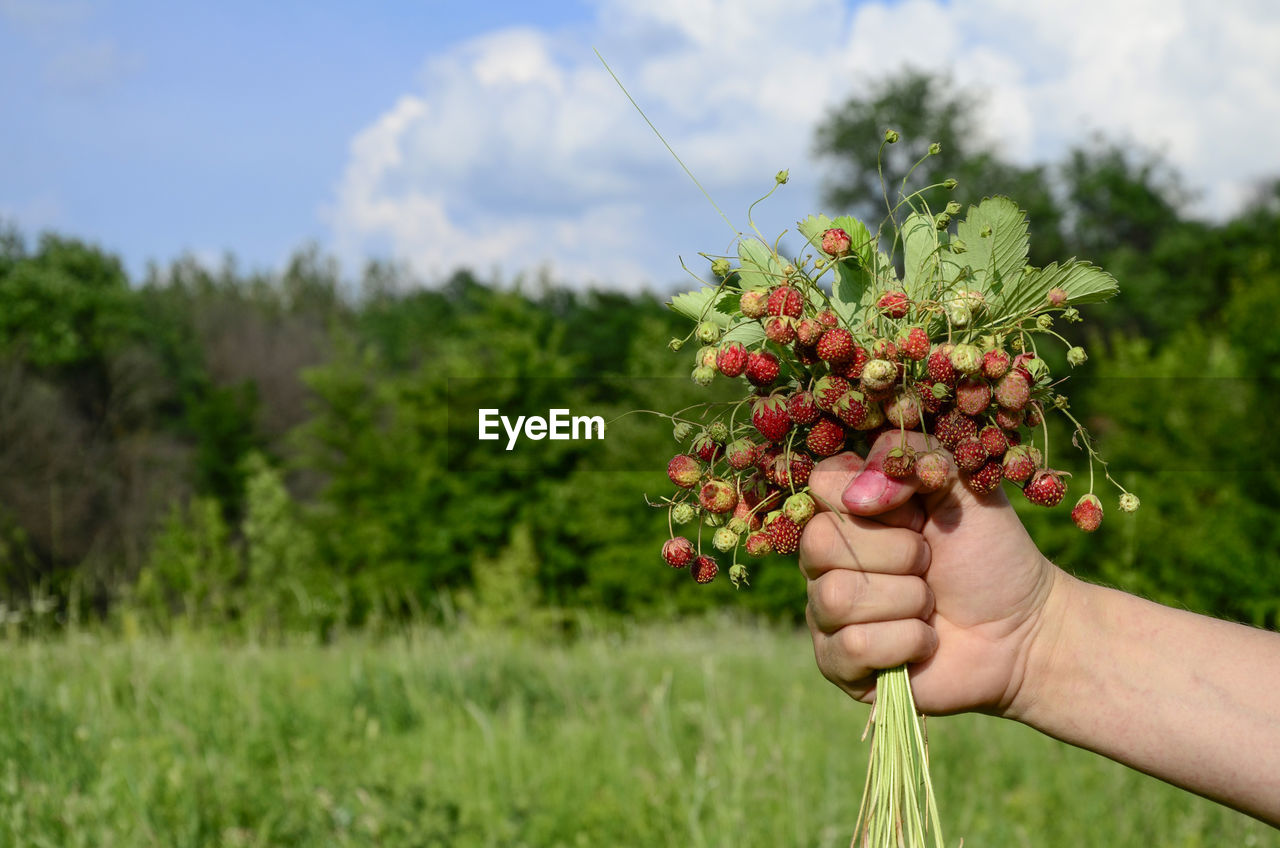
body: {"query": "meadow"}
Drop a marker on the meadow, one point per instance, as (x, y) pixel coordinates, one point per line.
(712, 732)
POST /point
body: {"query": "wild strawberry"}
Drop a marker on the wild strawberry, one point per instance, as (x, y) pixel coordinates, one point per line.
(779, 330)
(769, 414)
(808, 331)
(731, 359)
(719, 432)
(931, 470)
(995, 364)
(939, 366)
(791, 470)
(852, 368)
(785, 300)
(827, 318)
(973, 395)
(762, 367)
(717, 497)
(1018, 464)
(705, 447)
(799, 507)
(851, 409)
(970, 454)
(802, 408)
(683, 513)
(744, 516)
(724, 540)
(835, 345)
(903, 411)
(1045, 488)
(704, 569)
(1129, 502)
(684, 471)
(986, 479)
(1013, 391)
(953, 427)
(836, 242)
(785, 535)
(678, 552)
(828, 391)
(885, 349)
(1087, 513)
(754, 303)
(1009, 419)
(933, 395)
(914, 344)
(966, 358)
(879, 374)
(1035, 415)
(873, 418)
(759, 544)
(994, 440)
(826, 438)
(806, 354)
(740, 454)
(899, 463)
(894, 304)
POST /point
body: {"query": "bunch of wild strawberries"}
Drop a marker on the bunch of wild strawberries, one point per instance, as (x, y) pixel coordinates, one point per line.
(826, 375)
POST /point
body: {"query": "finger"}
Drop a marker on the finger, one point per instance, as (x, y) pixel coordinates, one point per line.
(871, 491)
(841, 597)
(831, 477)
(850, 656)
(830, 541)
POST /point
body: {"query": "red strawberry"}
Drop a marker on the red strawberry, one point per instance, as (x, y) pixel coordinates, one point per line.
(740, 453)
(759, 544)
(987, 478)
(828, 391)
(785, 535)
(808, 331)
(852, 368)
(973, 395)
(995, 364)
(1035, 416)
(785, 300)
(899, 463)
(835, 345)
(806, 354)
(994, 440)
(744, 513)
(717, 496)
(704, 569)
(705, 447)
(802, 408)
(953, 427)
(684, 471)
(970, 454)
(1087, 513)
(762, 368)
(791, 470)
(894, 304)
(779, 330)
(1045, 488)
(836, 242)
(903, 411)
(932, 400)
(1019, 464)
(914, 344)
(678, 552)
(826, 438)
(732, 359)
(1013, 391)
(769, 414)
(765, 456)
(754, 303)
(939, 366)
(827, 318)
(1009, 419)
(851, 409)
(932, 469)
(885, 349)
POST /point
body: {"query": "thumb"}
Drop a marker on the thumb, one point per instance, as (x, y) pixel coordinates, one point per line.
(871, 491)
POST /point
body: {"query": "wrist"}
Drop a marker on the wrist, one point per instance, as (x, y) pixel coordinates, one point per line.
(1045, 663)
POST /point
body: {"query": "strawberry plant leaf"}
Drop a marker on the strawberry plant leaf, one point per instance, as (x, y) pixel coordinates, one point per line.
(860, 239)
(812, 229)
(995, 235)
(920, 254)
(747, 332)
(760, 266)
(700, 305)
(1082, 281)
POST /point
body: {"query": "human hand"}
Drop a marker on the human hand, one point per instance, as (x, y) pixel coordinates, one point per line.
(948, 581)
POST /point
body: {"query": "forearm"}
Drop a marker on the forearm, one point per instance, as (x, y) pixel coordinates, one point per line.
(1192, 700)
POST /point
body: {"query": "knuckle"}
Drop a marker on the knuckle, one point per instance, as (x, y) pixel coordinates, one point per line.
(854, 643)
(918, 555)
(816, 540)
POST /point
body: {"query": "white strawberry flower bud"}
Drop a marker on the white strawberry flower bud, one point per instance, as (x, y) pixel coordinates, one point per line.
(1076, 356)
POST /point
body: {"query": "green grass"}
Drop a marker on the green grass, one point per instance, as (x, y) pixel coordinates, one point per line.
(698, 734)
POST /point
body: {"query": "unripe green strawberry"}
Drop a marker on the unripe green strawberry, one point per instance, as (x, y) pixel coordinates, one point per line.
(799, 508)
(779, 330)
(717, 497)
(708, 332)
(826, 438)
(678, 552)
(762, 368)
(731, 359)
(878, 375)
(894, 304)
(835, 345)
(704, 569)
(1045, 488)
(719, 432)
(683, 513)
(785, 300)
(684, 471)
(1087, 513)
(784, 534)
(707, 355)
(738, 574)
(932, 469)
(1129, 502)
(1044, 322)
(770, 417)
(720, 267)
(754, 303)
(703, 375)
(966, 358)
(724, 540)
(759, 543)
(836, 242)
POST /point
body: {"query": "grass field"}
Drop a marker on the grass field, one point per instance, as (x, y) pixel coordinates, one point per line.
(705, 734)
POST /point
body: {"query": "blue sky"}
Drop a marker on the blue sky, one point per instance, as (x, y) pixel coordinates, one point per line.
(487, 134)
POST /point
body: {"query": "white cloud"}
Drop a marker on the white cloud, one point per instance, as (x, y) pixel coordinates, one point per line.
(517, 150)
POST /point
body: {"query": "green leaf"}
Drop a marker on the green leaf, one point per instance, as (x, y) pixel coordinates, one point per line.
(860, 238)
(1083, 282)
(920, 254)
(747, 332)
(813, 227)
(852, 291)
(995, 236)
(701, 305)
(760, 267)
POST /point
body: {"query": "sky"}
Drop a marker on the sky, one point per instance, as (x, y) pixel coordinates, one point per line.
(489, 136)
